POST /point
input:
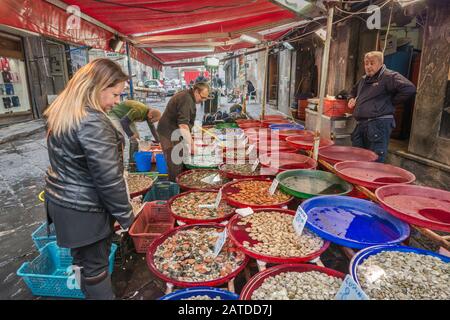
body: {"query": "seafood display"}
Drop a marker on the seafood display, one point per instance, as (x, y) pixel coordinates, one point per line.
(312, 285)
(202, 179)
(191, 205)
(256, 192)
(138, 182)
(394, 275)
(275, 235)
(188, 256)
(241, 169)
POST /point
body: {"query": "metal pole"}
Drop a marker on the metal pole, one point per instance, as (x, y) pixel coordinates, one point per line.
(323, 82)
(129, 71)
(266, 74)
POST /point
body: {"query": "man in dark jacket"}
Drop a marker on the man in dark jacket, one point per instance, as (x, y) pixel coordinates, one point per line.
(176, 124)
(373, 98)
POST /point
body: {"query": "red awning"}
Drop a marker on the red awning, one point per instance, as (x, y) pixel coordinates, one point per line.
(205, 23)
(48, 20)
(151, 24)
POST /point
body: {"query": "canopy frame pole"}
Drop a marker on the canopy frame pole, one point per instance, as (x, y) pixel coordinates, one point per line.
(129, 71)
(266, 74)
(323, 82)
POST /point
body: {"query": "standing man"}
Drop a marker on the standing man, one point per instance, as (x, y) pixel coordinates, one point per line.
(125, 114)
(176, 124)
(373, 98)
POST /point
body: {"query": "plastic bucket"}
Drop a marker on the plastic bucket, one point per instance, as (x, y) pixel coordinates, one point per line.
(161, 164)
(143, 161)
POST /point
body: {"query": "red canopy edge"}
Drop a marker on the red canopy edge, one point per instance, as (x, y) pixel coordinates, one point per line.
(46, 19)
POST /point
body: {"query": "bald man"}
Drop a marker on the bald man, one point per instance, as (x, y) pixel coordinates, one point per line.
(373, 99)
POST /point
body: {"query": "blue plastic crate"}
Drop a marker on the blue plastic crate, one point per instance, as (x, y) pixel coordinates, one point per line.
(162, 190)
(40, 236)
(48, 274)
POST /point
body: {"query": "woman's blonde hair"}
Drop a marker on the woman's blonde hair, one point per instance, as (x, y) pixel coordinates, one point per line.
(83, 90)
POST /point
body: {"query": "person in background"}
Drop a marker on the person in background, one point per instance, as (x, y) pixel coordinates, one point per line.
(85, 190)
(201, 78)
(180, 115)
(251, 91)
(124, 117)
(373, 99)
(217, 82)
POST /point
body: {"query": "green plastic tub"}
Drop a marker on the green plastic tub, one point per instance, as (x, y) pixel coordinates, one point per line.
(312, 183)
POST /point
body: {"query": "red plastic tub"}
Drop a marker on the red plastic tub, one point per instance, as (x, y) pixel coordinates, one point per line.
(274, 117)
(238, 235)
(422, 206)
(153, 220)
(292, 132)
(263, 173)
(191, 220)
(250, 124)
(372, 175)
(335, 107)
(216, 282)
(258, 130)
(188, 188)
(276, 147)
(257, 280)
(267, 123)
(307, 142)
(230, 189)
(334, 154)
(287, 161)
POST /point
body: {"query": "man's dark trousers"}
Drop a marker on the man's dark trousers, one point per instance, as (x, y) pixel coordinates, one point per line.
(374, 134)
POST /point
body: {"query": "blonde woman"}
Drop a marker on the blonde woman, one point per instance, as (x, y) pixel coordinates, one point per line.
(85, 189)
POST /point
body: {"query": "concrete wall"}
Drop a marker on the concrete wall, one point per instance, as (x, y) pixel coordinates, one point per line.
(435, 64)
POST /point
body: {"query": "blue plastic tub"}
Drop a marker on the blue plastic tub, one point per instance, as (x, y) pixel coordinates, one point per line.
(362, 255)
(143, 160)
(49, 274)
(200, 291)
(162, 190)
(352, 222)
(161, 164)
(40, 236)
(287, 126)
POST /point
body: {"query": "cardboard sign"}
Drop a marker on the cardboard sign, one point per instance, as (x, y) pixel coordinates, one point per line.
(273, 187)
(255, 165)
(218, 199)
(350, 290)
(250, 149)
(299, 221)
(244, 212)
(220, 242)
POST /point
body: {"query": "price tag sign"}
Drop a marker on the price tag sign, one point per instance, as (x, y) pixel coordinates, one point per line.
(299, 221)
(350, 290)
(244, 212)
(250, 149)
(273, 187)
(220, 242)
(255, 165)
(206, 206)
(218, 199)
(211, 179)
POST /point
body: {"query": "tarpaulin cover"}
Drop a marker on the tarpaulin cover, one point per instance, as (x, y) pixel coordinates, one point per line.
(228, 19)
(205, 23)
(46, 19)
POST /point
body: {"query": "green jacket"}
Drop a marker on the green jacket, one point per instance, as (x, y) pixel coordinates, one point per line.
(130, 111)
(135, 110)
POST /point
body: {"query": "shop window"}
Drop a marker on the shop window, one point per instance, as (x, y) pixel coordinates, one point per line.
(13, 86)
